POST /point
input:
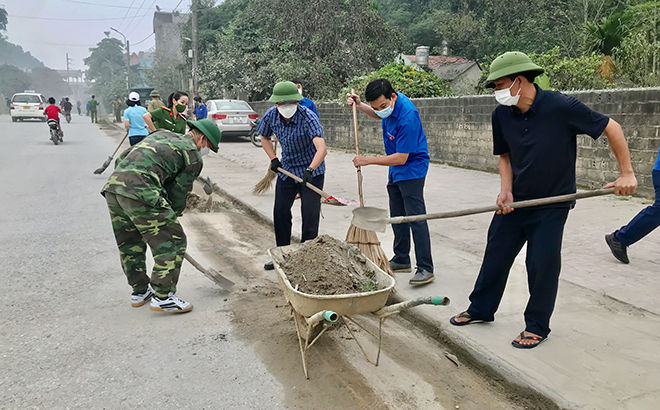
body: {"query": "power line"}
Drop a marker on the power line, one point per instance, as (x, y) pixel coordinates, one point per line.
(140, 21)
(136, 13)
(97, 4)
(56, 19)
(127, 11)
(143, 40)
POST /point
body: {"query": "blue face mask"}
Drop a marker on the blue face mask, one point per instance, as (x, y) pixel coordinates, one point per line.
(385, 112)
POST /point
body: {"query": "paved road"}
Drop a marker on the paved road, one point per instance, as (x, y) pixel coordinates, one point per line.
(68, 336)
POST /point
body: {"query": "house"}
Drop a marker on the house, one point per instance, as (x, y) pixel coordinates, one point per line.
(462, 74)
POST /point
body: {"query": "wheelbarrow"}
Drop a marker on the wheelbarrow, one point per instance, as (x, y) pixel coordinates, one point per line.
(315, 314)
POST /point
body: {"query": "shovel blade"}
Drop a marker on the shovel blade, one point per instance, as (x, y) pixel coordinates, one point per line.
(370, 218)
(220, 280)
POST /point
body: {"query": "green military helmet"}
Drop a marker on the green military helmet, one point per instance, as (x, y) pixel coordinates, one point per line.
(512, 62)
(285, 91)
(210, 131)
(154, 93)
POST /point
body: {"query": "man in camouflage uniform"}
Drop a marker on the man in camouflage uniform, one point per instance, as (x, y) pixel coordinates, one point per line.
(145, 195)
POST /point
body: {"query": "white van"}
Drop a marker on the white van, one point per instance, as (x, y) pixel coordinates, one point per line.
(28, 105)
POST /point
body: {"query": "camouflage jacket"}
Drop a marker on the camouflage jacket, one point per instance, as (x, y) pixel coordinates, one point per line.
(162, 167)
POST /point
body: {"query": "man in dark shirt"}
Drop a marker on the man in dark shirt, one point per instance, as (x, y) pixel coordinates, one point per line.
(534, 134)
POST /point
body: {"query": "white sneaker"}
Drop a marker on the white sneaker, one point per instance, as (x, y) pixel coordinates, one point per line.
(170, 304)
(139, 299)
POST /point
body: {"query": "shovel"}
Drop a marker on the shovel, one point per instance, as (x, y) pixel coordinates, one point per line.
(327, 199)
(211, 273)
(376, 219)
(109, 160)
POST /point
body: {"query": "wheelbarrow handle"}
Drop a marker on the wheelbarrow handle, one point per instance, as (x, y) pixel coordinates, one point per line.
(398, 307)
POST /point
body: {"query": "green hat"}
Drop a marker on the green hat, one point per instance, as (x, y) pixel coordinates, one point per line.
(154, 93)
(285, 91)
(512, 62)
(210, 131)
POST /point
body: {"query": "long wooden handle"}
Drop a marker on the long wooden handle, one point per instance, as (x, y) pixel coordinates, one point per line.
(325, 195)
(515, 205)
(118, 146)
(357, 151)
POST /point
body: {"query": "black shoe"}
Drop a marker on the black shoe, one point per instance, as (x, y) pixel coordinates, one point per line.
(422, 277)
(269, 266)
(400, 267)
(619, 250)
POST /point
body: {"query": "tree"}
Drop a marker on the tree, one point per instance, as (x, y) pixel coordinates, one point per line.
(325, 42)
(48, 82)
(107, 69)
(3, 19)
(13, 80)
(604, 37)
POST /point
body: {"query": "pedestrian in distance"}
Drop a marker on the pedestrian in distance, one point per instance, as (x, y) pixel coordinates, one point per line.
(93, 107)
(303, 152)
(133, 119)
(78, 106)
(407, 157)
(200, 111)
(116, 107)
(170, 117)
(144, 211)
(305, 102)
(641, 225)
(155, 102)
(534, 135)
(87, 106)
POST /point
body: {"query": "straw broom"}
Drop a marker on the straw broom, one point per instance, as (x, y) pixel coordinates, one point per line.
(267, 181)
(366, 241)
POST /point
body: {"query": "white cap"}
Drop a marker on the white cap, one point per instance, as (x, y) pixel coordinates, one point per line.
(134, 96)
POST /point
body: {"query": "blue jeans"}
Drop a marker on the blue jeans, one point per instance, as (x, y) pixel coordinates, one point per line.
(406, 199)
(645, 221)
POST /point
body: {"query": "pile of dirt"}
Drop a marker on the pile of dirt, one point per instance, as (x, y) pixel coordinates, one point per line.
(327, 266)
(195, 203)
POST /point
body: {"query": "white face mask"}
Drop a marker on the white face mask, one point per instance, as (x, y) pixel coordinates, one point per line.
(204, 151)
(287, 110)
(300, 91)
(504, 97)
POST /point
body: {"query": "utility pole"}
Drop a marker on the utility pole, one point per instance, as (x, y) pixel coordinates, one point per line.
(128, 59)
(194, 46)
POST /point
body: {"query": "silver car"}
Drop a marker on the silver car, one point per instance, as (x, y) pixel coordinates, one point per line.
(232, 117)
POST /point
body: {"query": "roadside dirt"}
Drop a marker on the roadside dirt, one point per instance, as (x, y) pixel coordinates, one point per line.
(327, 266)
(413, 373)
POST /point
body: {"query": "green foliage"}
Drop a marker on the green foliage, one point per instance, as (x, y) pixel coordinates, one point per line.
(3, 19)
(13, 54)
(404, 79)
(13, 80)
(604, 37)
(323, 42)
(638, 60)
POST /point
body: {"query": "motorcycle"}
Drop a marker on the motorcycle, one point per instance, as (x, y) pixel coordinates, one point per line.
(255, 138)
(67, 115)
(56, 135)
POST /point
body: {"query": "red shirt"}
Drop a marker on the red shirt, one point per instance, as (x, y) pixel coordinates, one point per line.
(53, 111)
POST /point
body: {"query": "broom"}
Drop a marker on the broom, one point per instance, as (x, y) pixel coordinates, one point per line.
(366, 241)
(107, 162)
(267, 181)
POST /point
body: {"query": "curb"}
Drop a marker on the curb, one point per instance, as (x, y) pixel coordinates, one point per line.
(478, 361)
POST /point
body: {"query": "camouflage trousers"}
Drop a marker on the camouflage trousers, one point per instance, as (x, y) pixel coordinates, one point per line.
(137, 225)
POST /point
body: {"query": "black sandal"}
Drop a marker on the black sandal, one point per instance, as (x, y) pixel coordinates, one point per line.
(465, 315)
(523, 337)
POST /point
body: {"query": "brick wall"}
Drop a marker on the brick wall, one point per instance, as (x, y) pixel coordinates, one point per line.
(459, 132)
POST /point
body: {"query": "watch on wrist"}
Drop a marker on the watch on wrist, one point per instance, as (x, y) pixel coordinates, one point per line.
(310, 169)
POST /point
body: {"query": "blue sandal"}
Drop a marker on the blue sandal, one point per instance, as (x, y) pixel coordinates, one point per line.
(465, 315)
(523, 337)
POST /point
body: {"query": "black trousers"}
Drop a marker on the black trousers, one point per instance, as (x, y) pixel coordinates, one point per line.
(310, 208)
(407, 198)
(543, 230)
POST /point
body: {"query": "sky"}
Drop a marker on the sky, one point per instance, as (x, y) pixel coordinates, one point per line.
(49, 29)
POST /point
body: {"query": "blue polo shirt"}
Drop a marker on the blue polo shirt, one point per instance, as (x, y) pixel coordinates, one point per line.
(309, 104)
(542, 142)
(136, 124)
(295, 137)
(403, 133)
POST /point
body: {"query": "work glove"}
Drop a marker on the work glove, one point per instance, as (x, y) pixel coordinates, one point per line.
(307, 176)
(274, 164)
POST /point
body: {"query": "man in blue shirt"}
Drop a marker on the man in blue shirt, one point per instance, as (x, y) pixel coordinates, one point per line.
(408, 159)
(133, 121)
(534, 134)
(305, 102)
(303, 151)
(200, 111)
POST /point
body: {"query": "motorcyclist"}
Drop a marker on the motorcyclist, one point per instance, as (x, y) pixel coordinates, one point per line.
(67, 106)
(53, 113)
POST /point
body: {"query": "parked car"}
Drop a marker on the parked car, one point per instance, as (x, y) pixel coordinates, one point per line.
(27, 105)
(232, 117)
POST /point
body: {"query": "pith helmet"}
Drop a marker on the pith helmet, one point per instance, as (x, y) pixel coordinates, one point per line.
(285, 91)
(512, 62)
(210, 131)
(154, 93)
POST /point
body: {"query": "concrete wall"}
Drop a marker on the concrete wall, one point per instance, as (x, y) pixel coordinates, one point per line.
(459, 132)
